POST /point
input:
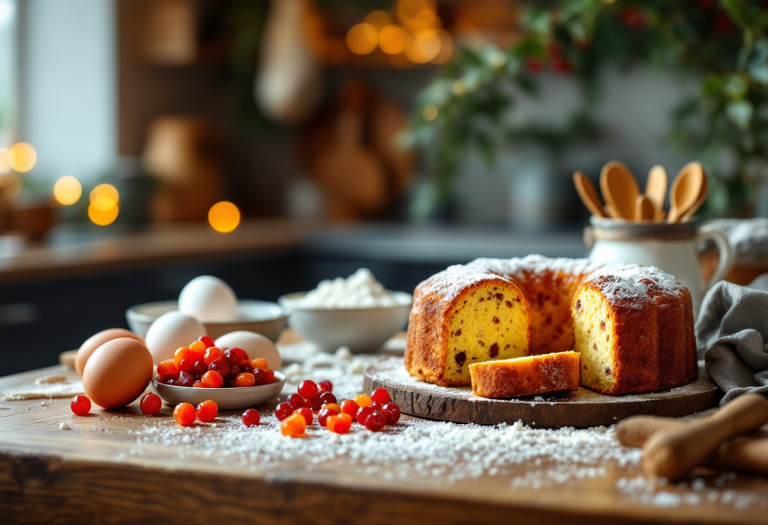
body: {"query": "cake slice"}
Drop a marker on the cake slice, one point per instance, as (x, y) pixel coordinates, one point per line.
(526, 376)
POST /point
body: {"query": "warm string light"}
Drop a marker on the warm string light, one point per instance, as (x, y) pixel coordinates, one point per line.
(411, 35)
(224, 217)
(67, 190)
(22, 157)
(105, 204)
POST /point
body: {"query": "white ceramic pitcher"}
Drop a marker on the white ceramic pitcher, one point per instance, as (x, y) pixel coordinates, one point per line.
(670, 247)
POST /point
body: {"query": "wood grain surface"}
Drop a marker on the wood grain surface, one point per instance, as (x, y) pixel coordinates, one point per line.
(93, 474)
(581, 408)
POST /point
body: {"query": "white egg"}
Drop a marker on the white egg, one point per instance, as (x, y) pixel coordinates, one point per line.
(209, 300)
(256, 345)
(170, 332)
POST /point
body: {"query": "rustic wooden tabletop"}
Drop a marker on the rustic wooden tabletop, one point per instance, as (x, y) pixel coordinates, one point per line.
(122, 467)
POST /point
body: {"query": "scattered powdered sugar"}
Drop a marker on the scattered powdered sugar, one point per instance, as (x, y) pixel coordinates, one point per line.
(359, 290)
(659, 494)
(45, 389)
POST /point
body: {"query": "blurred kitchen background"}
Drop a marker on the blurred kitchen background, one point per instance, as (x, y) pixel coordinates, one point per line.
(274, 143)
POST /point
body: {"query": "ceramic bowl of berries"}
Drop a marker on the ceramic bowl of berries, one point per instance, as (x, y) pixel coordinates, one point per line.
(261, 317)
(227, 376)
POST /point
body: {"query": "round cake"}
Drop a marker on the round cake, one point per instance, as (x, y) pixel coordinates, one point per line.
(632, 325)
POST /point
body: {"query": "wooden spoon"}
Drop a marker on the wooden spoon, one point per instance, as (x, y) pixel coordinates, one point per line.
(588, 193)
(656, 189)
(644, 209)
(702, 197)
(673, 453)
(619, 188)
(685, 190)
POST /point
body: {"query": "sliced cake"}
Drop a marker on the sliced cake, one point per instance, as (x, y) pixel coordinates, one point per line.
(526, 376)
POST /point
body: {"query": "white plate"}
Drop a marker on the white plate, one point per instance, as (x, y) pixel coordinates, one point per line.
(226, 398)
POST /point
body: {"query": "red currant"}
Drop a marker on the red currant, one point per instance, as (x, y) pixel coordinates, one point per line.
(261, 376)
(391, 412)
(269, 377)
(236, 356)
(80, 405)
(207, 410)
(150, 404)
(283, 410)
(313, 403)
(306, 414)
(349, 407)
(295, 400)
(381, 396)
(185, 379)
(251, 417)
(375, 421)
(339, 424)
(221, 366)
(200, 367)
(327, 397)
(234, 370)
(325, 385)
(207, 341)
(307, 388)
(186, 365)
(362, 414)
(322, 417)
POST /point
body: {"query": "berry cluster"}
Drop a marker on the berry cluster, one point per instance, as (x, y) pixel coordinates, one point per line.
(203, 365)
(185, 414)
(374, 412)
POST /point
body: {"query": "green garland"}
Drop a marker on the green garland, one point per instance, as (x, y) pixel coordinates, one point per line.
(723, 43)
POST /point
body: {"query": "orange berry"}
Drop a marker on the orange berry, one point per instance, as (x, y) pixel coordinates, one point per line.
(346, 416)
(207, 410)
(363, 400)
(259, 362)
(212, 379)
(245, 379)
(183, 353)
(198, 347)
(212, 354)
(333, 406)
(184, 414)
(339, 424)
(167, 368)
(294, 425)
(199, 384)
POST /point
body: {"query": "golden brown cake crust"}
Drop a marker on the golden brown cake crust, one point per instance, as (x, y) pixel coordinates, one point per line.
(654, 345)
(526, 376)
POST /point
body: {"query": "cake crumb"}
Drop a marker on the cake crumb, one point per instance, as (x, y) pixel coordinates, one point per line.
(64, 426)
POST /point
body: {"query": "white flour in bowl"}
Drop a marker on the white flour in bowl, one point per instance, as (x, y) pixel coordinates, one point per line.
(359, 290)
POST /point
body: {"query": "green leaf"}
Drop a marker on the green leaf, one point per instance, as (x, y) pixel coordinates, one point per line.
(740, 113)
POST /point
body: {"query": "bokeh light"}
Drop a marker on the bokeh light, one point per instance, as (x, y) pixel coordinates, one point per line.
(429, 112)
(224, 217)
(67, 190)
(22, 157)
(424, 46)
(417, 15)
(102, 217)
(393, 39)
(362, 39)
(104, 197)
(5, 164)
(446, 47)
(378, 19)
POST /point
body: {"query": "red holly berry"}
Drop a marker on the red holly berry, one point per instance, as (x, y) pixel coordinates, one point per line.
(251, 417)
(561, 66)
(391, 413)
(381, 396)
(80, 405)
(150, 404)
(283, 410)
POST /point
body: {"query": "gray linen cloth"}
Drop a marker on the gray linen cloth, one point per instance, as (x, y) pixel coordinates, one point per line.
(732, 336)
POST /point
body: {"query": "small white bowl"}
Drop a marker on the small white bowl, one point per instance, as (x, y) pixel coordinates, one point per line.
(363, 330)
(226, 398)
(262, 317)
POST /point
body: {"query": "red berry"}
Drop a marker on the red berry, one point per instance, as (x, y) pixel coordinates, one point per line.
(212, 379)
(269, 377)
(375, 421)
(362, 414)
(150, 404)
(243, 380)
(167, 379)
(221, 366)
(184, 414)
(80, 405)
(313, 403)
(261, 376)
(185, 379)
(207, 341)
(306, 414)
(283, 410)
(307, 388)
(349, 407)
(200, 368)
(327, 398)
(381, 396)
(207, 410)
(325, 385)
(251, 417)
(212, 354)
(324, 414)
(186, 365)
(339, 424)
(561, 66)
(295, 400)
(534, 64)
(234, 371)
(391, 412)
(236, 356)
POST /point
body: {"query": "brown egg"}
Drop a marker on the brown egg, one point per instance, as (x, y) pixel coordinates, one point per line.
(117, 373)
(95, 341)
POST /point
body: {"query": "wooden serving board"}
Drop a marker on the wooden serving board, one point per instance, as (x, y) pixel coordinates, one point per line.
(582, 408)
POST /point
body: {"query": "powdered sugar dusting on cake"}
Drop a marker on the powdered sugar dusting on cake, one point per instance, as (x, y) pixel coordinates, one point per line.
(631, 284)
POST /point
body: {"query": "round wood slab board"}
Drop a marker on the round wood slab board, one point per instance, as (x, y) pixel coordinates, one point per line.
(582, 408)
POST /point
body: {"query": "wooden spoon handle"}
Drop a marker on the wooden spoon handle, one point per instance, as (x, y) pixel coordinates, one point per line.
(588, 194)
(744, 453)
(674, 452)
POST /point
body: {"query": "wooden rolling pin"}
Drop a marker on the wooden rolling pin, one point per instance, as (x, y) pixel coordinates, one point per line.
(674, 452)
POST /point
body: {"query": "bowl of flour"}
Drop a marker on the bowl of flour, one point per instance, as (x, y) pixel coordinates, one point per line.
(356, 312)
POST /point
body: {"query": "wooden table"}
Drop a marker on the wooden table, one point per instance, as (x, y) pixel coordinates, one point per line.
(89, 475)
